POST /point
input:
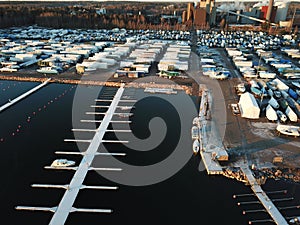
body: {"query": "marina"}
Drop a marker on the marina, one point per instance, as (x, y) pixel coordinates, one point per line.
(65, 206)
(255, 65)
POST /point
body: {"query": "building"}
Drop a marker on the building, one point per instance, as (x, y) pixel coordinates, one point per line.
(200, 17)
(190, 11)
(184, 16)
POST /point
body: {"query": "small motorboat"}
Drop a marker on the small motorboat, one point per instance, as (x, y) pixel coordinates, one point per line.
(281, 116)
(62, 163)
(196, 121)
(241, 88)
(295, 220)
(196, 146)
(195, 132)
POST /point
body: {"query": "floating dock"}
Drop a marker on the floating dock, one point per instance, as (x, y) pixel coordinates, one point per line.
(11, 102)
(65, 206)
(263, 198)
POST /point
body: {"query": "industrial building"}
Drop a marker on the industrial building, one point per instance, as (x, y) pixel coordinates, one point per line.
(210, 12)
(200, 14)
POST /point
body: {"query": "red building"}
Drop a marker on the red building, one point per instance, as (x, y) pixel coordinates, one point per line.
(264, 10)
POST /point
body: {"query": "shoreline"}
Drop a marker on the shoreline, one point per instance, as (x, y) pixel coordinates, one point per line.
(287, 174)
(187, 89)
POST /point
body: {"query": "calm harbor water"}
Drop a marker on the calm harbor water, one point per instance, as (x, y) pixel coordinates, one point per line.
(33, 129)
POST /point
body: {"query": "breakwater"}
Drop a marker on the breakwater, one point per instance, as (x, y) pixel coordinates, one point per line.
(187, 89)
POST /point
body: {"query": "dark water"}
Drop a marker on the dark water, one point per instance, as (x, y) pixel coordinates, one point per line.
(33, 129)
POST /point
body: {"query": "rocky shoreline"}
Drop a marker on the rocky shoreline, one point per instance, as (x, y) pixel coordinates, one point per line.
(287, 174)
(261, 175)
(179, 87)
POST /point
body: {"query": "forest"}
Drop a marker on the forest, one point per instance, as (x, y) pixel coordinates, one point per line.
(89, 15)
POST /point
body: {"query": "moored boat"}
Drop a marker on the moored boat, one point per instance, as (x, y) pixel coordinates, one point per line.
(196, 121)
(195, 132)
(295, 220)
(62, 163)
(196, 146)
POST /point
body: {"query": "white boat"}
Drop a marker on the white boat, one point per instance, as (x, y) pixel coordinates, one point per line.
(281, 116)
(241, 88)
(195, 132)
(126, 108)
(8, 69)
(249, 74)
(196, 121)
(273, 102)
(295, 220)
(62, 163)
(196, 146)
(271, 113)
(47, 70)
(296, 84)
(277, 94)
(219, 75)
(288, 130)
(210, 73)
(291, 114)
(266, 75)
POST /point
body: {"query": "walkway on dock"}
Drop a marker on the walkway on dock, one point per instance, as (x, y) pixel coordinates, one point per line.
(11, 102)
(66, 204)
(263, 198)
(209, 142)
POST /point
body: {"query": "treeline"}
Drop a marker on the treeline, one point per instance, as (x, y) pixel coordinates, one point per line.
(144, 16)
